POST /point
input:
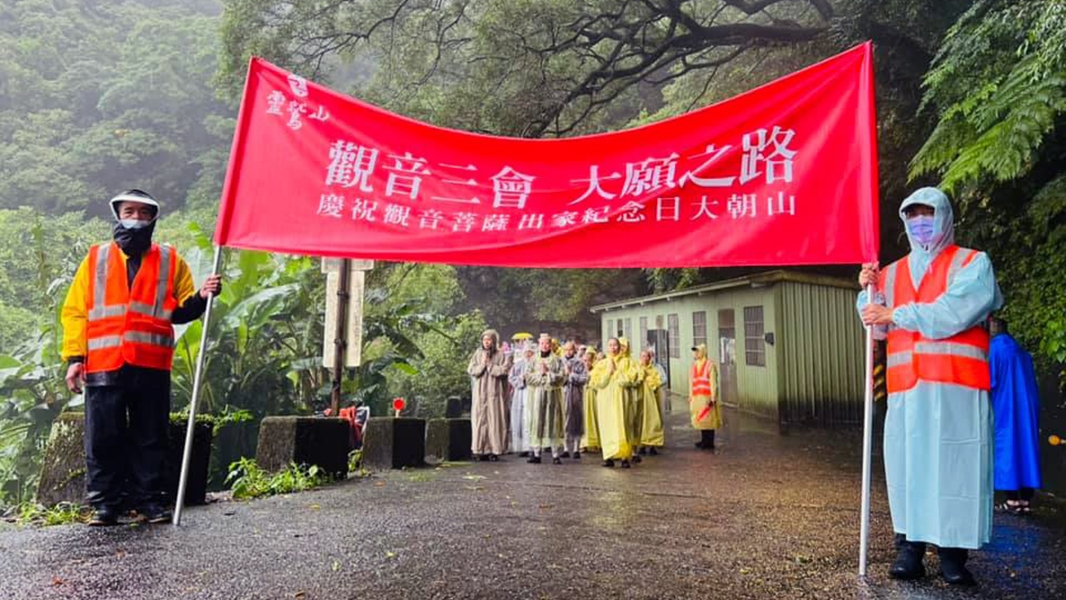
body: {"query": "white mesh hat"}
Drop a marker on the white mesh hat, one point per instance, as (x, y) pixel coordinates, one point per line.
(134, 196)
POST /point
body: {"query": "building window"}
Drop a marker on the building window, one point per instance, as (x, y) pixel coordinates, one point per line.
(699, 328)
(754, 344)
(627, 330)
(643, 341)
(608, 332)
(674, 326)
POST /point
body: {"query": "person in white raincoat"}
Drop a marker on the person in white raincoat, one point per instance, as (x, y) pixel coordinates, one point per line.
(933, 305)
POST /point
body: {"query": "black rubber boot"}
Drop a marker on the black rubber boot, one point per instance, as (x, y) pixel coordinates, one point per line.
(909, 557)
(710, 440)
(702, 444)
(104, 516)
(608, 463)
(953, 566)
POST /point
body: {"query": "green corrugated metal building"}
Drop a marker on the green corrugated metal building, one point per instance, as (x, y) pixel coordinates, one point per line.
(789, 345)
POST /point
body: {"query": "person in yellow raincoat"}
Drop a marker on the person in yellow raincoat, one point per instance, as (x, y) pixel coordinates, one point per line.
(612, 377)
(651, 427)
(634, 408)
(591, 440)
(703, 397)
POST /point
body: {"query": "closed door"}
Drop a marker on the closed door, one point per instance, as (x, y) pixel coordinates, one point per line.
(727, 355)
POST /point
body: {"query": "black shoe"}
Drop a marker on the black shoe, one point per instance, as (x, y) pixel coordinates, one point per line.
(535, 460)
(909, 557)
(637, 459)
(652, 451)
(557, 461)
(523, 454)
(577, 456)
(625, 464)
(608, 463)
(642, 451)
(493, 458)
(565, 455)
(153, 513)
(953, 566)
(103, 517)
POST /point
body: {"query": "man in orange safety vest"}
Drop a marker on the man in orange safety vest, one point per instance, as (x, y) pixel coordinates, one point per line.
(118, 341)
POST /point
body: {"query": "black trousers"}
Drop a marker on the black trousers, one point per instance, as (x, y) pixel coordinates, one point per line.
(126, 428)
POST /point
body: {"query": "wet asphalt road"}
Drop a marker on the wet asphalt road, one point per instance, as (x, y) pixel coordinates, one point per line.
(768, 516)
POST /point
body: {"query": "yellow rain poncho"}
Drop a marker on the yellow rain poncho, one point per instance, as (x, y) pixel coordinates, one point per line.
(634, 405)
(651, 430)
(613, 378)
(591, 440)
(703, 402)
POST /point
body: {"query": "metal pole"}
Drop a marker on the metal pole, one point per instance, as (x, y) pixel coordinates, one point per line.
(179, 502)
(340, 343)
(867, 443)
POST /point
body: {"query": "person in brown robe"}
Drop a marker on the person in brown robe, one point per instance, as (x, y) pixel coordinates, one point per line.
(488, 368)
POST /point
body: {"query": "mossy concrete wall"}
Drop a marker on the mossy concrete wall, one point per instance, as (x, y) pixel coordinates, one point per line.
(63, 469)
(320, 441)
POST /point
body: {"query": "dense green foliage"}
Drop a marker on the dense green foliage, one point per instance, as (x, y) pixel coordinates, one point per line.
(998, 87)
(248, 481)
(96, 97)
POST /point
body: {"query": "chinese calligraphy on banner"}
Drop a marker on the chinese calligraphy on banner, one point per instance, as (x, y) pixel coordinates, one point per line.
(784, 174)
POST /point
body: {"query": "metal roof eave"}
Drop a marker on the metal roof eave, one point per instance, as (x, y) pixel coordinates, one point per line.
(756, 280)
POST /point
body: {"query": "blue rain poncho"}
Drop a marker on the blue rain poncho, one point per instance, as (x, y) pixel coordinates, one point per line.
(1016, 406)
(938, 437)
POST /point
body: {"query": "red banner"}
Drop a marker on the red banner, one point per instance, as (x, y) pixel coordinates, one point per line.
(785, 174)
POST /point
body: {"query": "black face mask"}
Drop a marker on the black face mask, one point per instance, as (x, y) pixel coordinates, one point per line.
(134, 242)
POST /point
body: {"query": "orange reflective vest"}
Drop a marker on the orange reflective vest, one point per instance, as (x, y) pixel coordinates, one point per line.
(961, 359)
(130, 326)
(701, 378)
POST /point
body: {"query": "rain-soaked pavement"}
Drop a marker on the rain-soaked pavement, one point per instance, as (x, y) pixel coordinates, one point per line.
(768, 516)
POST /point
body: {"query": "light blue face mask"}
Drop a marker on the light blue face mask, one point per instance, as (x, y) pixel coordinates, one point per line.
(922, 229)
(134, 224)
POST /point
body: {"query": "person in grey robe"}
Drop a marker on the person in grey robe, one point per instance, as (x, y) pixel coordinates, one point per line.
(488, 369)
(573, 400)
(544, 377)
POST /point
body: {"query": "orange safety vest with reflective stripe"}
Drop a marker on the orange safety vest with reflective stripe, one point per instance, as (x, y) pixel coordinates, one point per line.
(130, 326)
(961, 359)
(701, 378)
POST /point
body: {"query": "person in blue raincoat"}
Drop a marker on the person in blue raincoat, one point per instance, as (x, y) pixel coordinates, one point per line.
(932, 306)
(1016, 407)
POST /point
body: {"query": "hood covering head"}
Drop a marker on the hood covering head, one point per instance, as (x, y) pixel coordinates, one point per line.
(701, 351)
(133, 236)
(943, 221)
(495, 338)
(623, 345)
(591, 351)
